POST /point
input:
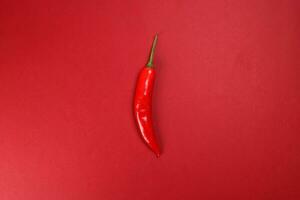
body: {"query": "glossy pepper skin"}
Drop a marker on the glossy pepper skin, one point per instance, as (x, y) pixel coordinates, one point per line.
(143, 103)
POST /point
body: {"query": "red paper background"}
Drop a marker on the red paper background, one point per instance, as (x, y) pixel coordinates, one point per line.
(226, 100)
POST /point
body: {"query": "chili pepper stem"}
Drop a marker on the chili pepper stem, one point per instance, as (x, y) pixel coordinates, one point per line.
(150, 60)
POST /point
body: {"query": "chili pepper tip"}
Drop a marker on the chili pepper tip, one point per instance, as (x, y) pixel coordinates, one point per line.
(156, 152)
(150, 61)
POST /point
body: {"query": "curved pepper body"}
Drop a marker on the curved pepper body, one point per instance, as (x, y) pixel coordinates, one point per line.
(142, 108)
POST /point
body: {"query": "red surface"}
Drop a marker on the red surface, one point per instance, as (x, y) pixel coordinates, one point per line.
(226, 100)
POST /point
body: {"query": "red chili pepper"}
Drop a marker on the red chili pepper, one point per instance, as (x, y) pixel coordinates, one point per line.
(143, 103)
